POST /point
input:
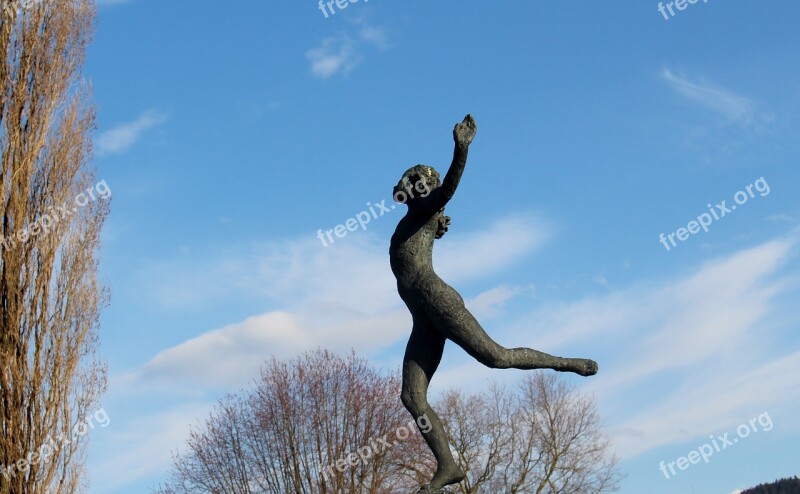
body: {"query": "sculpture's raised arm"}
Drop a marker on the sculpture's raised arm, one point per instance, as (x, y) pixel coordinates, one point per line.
(463, 133)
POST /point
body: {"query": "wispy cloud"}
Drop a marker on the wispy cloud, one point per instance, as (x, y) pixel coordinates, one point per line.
(333, 297)
(124, 136)
(733, 108)
(335, 55)
(374, 35)
(708, 337)
(714, 323)
(141, 444)
(339, 297)
(346, 274)
(781, 218)
(341, 53)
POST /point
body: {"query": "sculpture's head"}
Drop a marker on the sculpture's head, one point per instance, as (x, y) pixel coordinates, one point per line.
(418, 181)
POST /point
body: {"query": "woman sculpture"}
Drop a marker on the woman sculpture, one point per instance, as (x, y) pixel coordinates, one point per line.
(438, 311)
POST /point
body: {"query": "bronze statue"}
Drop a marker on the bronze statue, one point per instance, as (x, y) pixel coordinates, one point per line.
(438, 310)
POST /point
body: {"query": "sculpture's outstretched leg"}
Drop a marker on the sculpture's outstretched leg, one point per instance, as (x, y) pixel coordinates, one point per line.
(423, 354)
(455, 322)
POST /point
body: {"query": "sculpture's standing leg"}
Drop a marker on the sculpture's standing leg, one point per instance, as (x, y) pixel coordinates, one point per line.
(423, 354)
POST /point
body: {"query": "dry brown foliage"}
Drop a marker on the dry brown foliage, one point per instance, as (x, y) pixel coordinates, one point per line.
(50, 299)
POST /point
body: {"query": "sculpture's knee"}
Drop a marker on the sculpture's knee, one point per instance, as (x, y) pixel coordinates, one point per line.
(414, 401)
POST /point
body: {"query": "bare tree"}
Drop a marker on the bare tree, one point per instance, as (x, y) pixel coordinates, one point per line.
(306, 424)
(319, 424)
(546, 439)
(49, 296)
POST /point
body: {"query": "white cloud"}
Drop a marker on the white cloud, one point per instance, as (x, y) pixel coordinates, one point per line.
(336, 54)
(707, 341)
(339, 297)
(506, 241)
(714, 323)
(489, 303)
(781, 218)
(230, 357)
(733, 108)
(707, 312)
(737, 394)
(122, 137)
(343, 296)
(352, 274)
(728, 104)
(701, 339)
(374, 35)
(141, 445)
(341, 53)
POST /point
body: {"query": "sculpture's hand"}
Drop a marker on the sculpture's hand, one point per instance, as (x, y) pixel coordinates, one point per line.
(441, 227)
(465, 131)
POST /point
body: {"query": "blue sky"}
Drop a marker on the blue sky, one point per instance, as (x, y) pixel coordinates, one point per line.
(231, 132)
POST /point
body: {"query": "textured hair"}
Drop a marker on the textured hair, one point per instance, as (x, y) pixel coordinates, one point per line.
(414, 175)
(431, 177)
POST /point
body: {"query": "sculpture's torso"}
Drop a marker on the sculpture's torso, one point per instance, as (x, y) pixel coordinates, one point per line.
(411, 251)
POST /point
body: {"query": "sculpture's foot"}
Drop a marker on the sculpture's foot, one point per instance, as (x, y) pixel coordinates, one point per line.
(586, 367)
(443, 477)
